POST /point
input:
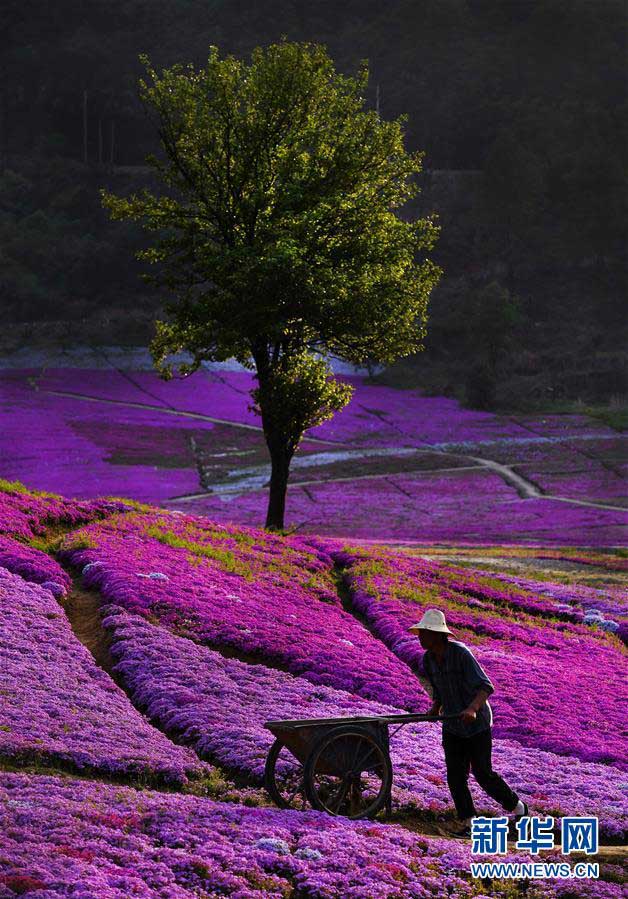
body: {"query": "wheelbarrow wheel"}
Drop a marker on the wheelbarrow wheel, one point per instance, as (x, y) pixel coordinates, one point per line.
(348, 773)
(283, 777)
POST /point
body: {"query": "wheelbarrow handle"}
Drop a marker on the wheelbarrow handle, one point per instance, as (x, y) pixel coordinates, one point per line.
(415, 718)
(443, 717)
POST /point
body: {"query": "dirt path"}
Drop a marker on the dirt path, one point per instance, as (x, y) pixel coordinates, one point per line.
(83, 610)
(528, 490)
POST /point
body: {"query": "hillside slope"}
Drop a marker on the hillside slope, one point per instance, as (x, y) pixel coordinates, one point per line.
(197, 634)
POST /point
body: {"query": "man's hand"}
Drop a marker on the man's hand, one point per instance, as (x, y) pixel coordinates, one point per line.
(434, 709)
(468, 715)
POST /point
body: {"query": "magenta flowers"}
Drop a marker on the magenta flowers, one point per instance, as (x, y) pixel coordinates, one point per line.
(73, 837)
(544, 670)
(59, 708)
(219, 705)
(268, 598)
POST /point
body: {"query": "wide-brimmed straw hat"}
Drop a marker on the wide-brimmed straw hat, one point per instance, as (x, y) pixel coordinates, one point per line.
(433, 620)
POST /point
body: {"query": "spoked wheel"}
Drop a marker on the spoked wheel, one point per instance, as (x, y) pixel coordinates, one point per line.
(348, 773)
(283, 778)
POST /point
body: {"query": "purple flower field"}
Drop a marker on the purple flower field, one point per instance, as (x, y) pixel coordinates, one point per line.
(34, 566)
(207, 628)
(218, 706)
(462, 507)
(580, 600)
(544, 675)
(25, 515)
(96, 840)
(256, 594)
(88, 432)
(58, 707)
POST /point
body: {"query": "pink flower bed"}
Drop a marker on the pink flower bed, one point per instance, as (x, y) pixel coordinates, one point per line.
(70, 838)
(260, 595)
(461, 507)
(579, 604)
(219, 706)
(59, 707)
(596, 485)
(25, 514)
(34, 566)
(376, 415)
(545, 677)
(64, 444)
(611, 601)
(216, 394)
(131, 436)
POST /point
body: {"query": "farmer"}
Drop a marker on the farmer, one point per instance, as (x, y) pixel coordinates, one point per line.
(461, 687)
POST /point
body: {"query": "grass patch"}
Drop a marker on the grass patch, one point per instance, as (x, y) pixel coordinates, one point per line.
(18, 487)
(131, 503)
(202, 550)
(77, 541)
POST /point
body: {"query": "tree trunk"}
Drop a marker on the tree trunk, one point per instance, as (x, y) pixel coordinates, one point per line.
(280, 442)
(280, 458)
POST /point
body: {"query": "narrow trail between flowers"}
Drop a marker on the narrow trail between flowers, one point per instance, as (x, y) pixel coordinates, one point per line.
(82, 608)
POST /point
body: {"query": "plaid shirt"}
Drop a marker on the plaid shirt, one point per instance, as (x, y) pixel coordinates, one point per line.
(455, 683)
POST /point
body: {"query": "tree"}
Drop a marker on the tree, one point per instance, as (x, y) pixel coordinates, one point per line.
(278, 237)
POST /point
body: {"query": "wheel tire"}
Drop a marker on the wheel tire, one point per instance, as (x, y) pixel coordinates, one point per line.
(270, 782)
(383, 763)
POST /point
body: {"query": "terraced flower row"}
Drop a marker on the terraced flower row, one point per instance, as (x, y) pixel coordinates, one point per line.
(559, 687)
(59, 708)
(266, 597)
(496, 594)
(219, 706)
(26, 514)
(34, 565)
(456, 506)
(580, 601)
(609, 560)
(76, 838)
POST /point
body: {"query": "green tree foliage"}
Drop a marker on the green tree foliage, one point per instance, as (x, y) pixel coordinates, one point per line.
(277, 235)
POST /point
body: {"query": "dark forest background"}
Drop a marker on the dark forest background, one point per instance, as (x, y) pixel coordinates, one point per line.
(520, 107)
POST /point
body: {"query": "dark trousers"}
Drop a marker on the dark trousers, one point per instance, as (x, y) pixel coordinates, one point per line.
(464, 754)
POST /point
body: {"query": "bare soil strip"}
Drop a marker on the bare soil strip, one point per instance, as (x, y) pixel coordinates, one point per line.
(82, 608)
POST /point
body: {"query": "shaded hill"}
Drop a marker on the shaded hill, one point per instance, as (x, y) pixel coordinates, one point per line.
(520, 108)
